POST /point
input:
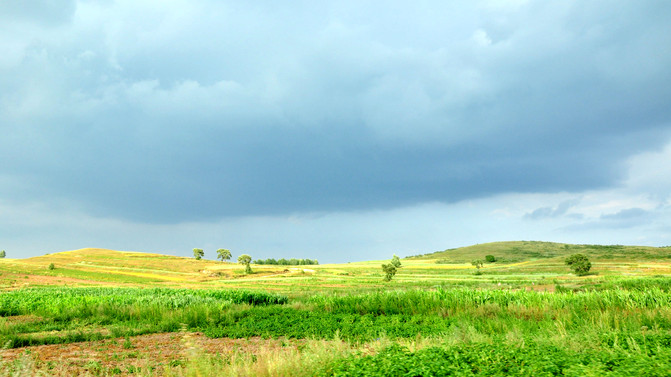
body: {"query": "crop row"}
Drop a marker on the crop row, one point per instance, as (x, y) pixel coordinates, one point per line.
(422, 302)
(52, 301)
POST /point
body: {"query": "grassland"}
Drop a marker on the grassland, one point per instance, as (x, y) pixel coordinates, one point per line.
(525, 314)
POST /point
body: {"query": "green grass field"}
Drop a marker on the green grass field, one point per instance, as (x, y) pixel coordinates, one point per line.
(525, 314)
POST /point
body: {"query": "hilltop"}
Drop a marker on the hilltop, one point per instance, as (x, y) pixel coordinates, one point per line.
(519, 251)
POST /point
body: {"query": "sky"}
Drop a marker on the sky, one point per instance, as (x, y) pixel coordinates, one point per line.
(333, 130)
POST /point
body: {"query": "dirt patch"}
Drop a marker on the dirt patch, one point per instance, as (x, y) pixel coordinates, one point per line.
(125, 356)
(16, 319)
(541, 288)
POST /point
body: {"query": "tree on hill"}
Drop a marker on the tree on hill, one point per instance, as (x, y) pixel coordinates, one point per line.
(3, 254)
(246, 260)
(490, 258)
(198, 253)
(579, 264)
(478, 265)
(224, 254)
(389, 271)
(396, 261)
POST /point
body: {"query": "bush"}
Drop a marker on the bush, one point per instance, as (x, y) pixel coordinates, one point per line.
(490, 259)
(389, 271)
(51, 266)
(579, 264)
(396, 261)
(245, 260)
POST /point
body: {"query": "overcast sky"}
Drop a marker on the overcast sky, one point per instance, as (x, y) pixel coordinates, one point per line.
(344, 130)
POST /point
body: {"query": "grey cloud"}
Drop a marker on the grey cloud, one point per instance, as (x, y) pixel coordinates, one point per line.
(551, 212)
(626, 214)
(220, 110)
(623, 219)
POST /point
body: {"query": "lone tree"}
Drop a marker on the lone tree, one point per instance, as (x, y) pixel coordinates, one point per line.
(246, 260)
(223, 254)
(478, 265)
(579, 264)
(389, 271)
(396, 261)
(3, 254)
(198, 253)
(490, 258)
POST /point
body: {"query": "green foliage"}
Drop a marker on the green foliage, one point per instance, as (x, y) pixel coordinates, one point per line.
(389, 271)
(51, 267)
(501, 359)
(2, 254)
(477, 263)
(245, 260)
(224, 254)
(124, 311)
(198, 253)
(273, 322)
(490, 258)
(396, 261)
(579, 263)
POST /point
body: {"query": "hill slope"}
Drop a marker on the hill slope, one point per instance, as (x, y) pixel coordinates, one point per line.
(102, 265)
(517, 251)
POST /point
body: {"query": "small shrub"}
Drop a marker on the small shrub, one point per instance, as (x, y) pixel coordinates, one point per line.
(490, 259)
(51, 266)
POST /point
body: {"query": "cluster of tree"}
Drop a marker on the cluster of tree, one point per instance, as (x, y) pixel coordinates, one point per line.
(222, 254)
(287, 262)
(390, 268)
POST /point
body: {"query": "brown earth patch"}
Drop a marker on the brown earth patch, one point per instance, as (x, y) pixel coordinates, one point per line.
(146, 352)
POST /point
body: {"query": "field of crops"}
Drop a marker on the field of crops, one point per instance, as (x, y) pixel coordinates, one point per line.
(433, 319)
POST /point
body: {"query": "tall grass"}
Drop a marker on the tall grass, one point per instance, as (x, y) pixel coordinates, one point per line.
(423, 302)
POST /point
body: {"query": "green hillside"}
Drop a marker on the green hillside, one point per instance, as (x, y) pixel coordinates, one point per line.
(518, 251)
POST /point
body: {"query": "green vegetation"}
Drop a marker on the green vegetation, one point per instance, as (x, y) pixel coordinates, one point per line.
(389, 269)
(517, 317)
(245, 260)
(478, 265)
(198, 254)
(51, 267)
(2, 254)
(224, 254)
(490, 258)
(396, 261)
(579, 264)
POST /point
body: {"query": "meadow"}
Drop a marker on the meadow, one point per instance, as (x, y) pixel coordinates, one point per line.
(102, 312)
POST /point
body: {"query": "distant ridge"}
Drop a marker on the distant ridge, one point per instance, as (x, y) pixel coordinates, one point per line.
(516, 251)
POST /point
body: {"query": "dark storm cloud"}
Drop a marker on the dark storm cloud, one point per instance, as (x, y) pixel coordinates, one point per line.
(217, 110)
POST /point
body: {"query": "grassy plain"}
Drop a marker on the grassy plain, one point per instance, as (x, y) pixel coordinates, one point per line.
(525, 314)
